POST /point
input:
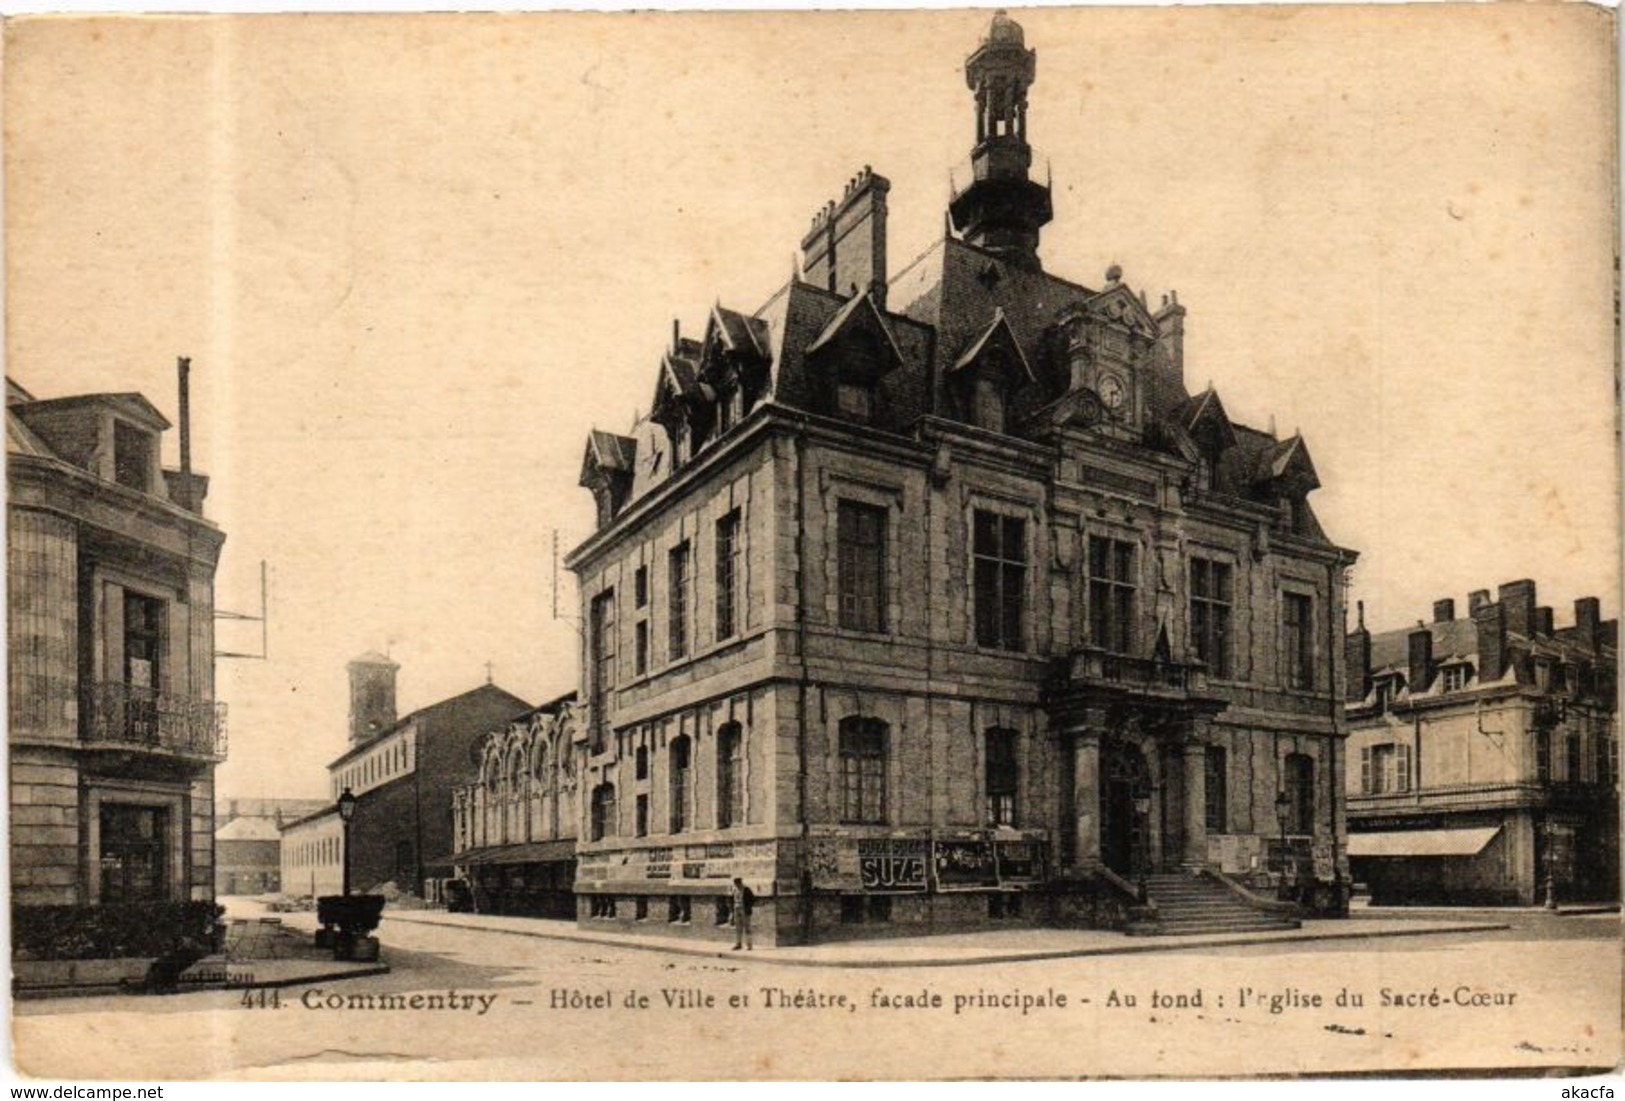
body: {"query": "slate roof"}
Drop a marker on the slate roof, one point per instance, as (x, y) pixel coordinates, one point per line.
(447, 712)
(249, 829)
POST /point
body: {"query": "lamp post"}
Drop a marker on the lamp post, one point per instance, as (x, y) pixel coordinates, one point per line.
(1551, 872)
(1142, 818)
(347, 802)
(1283, 810)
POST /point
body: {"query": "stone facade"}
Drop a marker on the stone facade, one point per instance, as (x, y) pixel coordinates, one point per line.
(114, 733)
(1484, 755)
(514, 827)
(935, 600)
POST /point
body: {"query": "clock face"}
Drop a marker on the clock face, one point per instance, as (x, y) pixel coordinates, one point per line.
(1112, 392)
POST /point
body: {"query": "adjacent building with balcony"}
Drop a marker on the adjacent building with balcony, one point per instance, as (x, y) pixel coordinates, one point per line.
(113, 727)
(514, 826)
(934, 598)
(1484, 755)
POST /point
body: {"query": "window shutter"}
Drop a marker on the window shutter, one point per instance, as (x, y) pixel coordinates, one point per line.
(1402, 769)
(1365, 770)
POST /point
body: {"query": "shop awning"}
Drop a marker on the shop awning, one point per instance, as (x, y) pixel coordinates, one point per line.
(534, 852)
(1457, 842)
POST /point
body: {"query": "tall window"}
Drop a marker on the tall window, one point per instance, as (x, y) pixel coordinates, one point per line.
(1543, 755)
(1111, 593)
(999, 767)
(642, 804)
(640, 587)
(730, 776)
(1210, 614)
(1572, 758)
(1602, 748)
(727, 573)
(601, 640)
(855, 401)
(999, 547)
(677, 601)
(681, 775)
(1216, 782)
(134, 853)
(132, 456)
(1385, 769)
(143, 641)
(861, 566)
(1298, 640)
(1300, 790)
(603, 811)
(863, 769)
(987, 402)
(640, 640)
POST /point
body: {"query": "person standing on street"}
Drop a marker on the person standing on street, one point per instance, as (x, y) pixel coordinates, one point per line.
(744, 901)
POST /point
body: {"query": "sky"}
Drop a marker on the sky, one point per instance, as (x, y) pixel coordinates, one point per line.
(414, 259)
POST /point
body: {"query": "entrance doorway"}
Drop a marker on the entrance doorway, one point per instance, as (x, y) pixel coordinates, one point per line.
(1124, 779)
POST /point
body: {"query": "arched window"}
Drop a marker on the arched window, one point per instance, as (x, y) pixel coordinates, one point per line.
(1000, 776)
(681, 775)
(603, 811)
(862, 769)
(1300, 790)
(730, 776)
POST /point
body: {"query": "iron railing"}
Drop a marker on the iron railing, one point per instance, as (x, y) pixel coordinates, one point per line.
(1102, 667)
(122, 714)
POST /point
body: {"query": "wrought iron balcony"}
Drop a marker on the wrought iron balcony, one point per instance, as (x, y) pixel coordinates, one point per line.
(121, 715)
(1091, 666)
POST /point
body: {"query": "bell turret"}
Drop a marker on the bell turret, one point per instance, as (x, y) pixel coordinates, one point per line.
(1002, 209)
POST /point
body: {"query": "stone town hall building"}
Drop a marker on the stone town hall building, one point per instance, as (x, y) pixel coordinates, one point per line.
(934, 598)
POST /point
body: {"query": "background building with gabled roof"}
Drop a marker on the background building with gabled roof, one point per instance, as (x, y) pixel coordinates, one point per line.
(403, 772)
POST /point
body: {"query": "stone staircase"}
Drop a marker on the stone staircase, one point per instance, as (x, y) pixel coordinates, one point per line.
(1198, 904)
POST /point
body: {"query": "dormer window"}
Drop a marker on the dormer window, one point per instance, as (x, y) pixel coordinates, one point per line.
(1456, 676)
(987, 408)
(132, 456)
(1385, 689)
(855, 401)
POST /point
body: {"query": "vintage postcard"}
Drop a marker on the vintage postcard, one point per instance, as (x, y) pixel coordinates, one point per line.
(1048, 543)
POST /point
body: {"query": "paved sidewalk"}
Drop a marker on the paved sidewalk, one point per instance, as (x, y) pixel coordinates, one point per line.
(945, 950)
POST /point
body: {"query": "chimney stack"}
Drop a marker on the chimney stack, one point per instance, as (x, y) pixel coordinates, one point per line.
(1543, 621)
(1518, 598)
(1445, 610)
(1490, 624)
(846, 247)
(1421, 659)
(1477, 599)
(1588, 618)
(1357, 657)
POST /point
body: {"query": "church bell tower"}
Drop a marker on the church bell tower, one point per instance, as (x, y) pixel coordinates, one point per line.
(1001, 210)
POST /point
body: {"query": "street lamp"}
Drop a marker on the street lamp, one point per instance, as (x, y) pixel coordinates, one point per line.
(347, 802)
(1142, 815)
(1551, 870)
(1283, 811)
